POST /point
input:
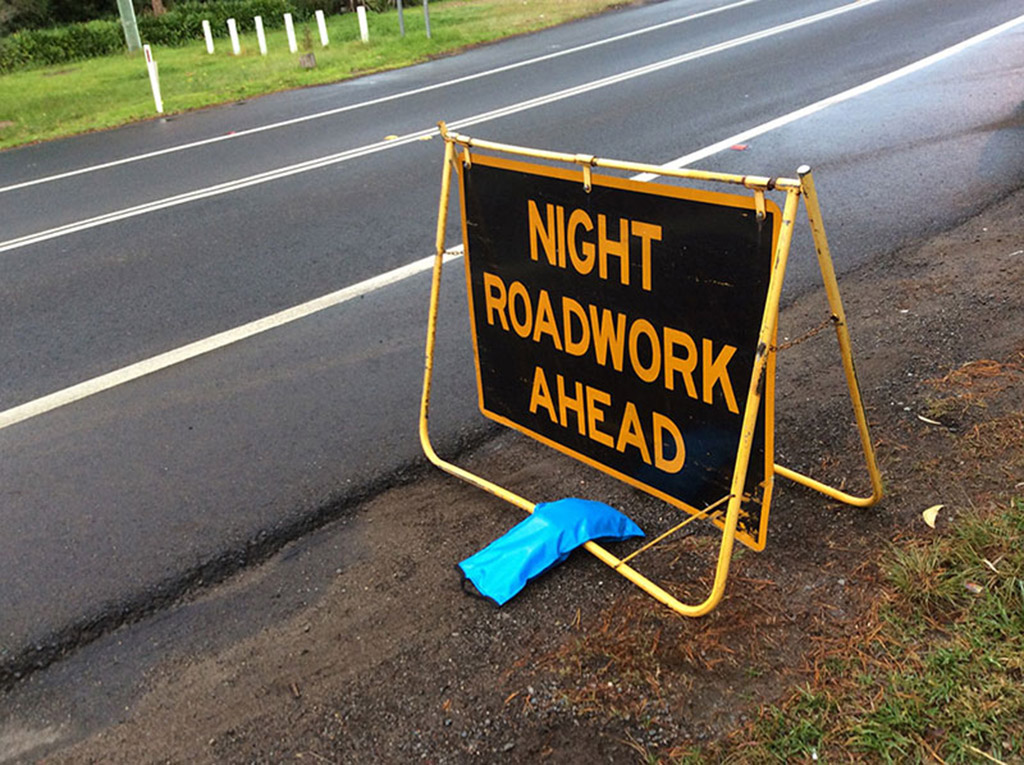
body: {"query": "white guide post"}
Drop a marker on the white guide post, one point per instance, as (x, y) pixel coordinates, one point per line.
(364, 30)
(236, 48)
(154, 79)
(322, 26)
(261, 38)
(289, 28)
(208, 34)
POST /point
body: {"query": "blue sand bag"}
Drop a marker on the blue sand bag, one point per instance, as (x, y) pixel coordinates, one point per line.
(540, 542)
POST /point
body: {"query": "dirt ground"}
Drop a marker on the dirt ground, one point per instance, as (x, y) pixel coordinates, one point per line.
(385, 659)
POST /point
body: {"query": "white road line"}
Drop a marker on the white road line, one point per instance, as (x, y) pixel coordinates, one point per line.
(211, 191)
(147, 366)
(375, 101)
(184, 353)
(362, 151)
(846, 95)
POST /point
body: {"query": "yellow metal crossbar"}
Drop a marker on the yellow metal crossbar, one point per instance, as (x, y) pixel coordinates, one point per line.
(794, 189)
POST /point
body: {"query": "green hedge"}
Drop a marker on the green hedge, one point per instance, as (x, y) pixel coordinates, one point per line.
(55, 46)
(182, 24)
(185, 21)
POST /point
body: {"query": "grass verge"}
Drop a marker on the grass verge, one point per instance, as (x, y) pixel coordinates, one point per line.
(933, 669)
(937, 671)
(51, 102)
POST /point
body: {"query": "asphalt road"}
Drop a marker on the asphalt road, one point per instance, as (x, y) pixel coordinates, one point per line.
(117, 502)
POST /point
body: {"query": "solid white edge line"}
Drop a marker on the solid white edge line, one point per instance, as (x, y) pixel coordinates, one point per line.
(349, 154)
(824, 103)
(372, 102)
(214, 342)
(118, 377)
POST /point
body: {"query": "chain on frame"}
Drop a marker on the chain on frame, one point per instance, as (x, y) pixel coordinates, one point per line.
(832, 320)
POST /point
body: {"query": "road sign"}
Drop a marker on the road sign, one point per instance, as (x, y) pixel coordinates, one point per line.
(619, 324)
(634, 326)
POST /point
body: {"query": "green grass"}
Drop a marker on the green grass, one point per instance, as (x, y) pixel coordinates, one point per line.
(940, 675)
(51, 102)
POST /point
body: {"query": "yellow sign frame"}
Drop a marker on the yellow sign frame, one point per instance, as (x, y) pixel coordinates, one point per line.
(762, 374)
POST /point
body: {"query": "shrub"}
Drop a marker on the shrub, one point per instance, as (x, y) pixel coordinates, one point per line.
(23, 14)
(75, 11)
(308, 7)
(39, 47)
(182, 24)
(17, 15)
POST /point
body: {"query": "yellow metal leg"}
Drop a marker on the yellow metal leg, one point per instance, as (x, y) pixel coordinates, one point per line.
(843, 334)
(753, 406)
(428, 367)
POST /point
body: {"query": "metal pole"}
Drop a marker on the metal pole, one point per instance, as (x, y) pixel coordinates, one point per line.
(131, 27)
(401, 19)
(426, 17)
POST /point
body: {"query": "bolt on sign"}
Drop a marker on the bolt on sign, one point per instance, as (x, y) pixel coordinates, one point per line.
(632, 325)
(620, 324)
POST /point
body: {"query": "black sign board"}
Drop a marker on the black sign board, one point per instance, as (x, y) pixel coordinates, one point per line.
(619, 325)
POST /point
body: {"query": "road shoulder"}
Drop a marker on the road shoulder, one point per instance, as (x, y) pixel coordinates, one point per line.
(357, 644)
